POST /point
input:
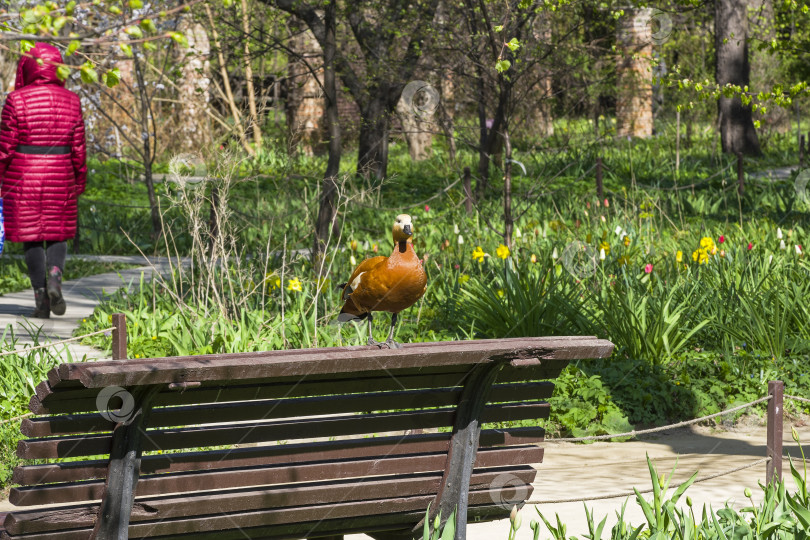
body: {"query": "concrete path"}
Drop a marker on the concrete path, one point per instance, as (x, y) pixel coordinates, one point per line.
(81, 296)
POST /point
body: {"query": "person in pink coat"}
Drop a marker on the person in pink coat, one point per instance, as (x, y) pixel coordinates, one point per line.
(43, 170)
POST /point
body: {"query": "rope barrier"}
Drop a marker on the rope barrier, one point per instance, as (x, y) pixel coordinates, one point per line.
(635, 433)
(650, 490)
(26, 415)
(797, 398)
(77, 338)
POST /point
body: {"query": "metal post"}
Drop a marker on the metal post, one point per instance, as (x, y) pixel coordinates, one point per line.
(119, 336)
(599, 189)
(801, 151)
(468, 203)
(773, 471)
(740, 174)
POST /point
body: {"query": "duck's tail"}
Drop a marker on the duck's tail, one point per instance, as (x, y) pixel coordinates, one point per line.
(350, 312)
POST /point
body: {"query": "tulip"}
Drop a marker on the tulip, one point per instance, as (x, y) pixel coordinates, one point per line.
(602, 254)
(779, 234)
(648, 268)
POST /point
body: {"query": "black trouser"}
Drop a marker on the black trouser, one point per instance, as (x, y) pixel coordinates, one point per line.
(35, 257)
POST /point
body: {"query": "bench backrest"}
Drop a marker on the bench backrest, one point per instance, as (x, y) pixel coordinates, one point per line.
(302, 442)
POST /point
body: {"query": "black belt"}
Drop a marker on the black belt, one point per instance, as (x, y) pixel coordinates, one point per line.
(28, 149)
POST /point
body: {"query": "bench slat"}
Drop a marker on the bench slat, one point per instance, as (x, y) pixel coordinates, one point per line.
(222, 521)
(272, 409)
(30, 475)
(74, 400)
(257, 432)
(272, 474)
(251, 499)
(327, 361)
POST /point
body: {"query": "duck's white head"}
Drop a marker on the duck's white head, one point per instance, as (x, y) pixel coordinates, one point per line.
(403, 228)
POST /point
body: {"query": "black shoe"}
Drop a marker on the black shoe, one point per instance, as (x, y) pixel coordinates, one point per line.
(55, 291)
(43, 305)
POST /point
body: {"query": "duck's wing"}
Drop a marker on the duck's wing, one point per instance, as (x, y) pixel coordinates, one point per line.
(364, 266)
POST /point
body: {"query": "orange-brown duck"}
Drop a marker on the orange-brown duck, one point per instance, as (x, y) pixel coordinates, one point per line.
(381, 283)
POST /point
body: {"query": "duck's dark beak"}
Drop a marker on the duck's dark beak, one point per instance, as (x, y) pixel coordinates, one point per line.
(407, 230)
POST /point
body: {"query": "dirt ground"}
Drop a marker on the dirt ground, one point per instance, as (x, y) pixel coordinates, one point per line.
(579, 470)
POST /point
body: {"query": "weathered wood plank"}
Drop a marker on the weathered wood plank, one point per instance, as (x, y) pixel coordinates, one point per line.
(283, 408)
(253, 499)
(272, 474)
(323, 361)
(30, 475)
(274, 519)
(79, 399)
(285, 430)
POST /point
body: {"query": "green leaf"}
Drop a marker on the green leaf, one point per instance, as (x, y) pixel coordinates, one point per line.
(135, 4)
(70, 8)
(179, 38)
(59, 23)
(63, 72)
(449, 531)
(513, 44)
(72, 47)
(126, 48)
(26, 45)
(112, 77)
(149, 26)
(89, 75)
(502, 65)
(133, 31)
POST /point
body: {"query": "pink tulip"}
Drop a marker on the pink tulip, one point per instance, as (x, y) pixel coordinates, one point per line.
(648, 269)
(721, 239)
(427, 208)
(750, 246)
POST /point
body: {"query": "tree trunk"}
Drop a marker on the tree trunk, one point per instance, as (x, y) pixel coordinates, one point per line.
(372, 153)
(634, 102)
(146, 139)
(327, 208)
(226, 82)
(483, 132)
(193, 86)
(251, 93)
(731, 52)
(508, 221)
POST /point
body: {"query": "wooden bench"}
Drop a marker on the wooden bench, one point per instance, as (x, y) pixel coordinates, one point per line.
(287, 444)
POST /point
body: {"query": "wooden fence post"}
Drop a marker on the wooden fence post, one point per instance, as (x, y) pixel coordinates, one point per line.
(599, 188)
(119, 336)
(468, 203)
(773, 471)
(740, 174)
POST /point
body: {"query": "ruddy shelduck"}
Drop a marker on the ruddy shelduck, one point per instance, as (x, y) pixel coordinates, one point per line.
(392, 283)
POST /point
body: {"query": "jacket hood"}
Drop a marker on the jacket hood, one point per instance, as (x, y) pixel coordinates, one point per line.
(30, 71)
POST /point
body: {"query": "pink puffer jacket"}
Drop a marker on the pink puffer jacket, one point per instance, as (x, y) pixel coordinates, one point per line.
(43, 165)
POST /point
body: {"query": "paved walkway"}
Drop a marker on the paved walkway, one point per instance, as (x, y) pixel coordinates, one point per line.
(81, 296)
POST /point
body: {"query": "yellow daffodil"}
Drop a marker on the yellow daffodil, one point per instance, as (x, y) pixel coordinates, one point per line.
(534, 258)
(626, 241)
(502, 251)
(679, 256)
(272, 281)
(294, 285)
(478, 254)
(605, 246)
